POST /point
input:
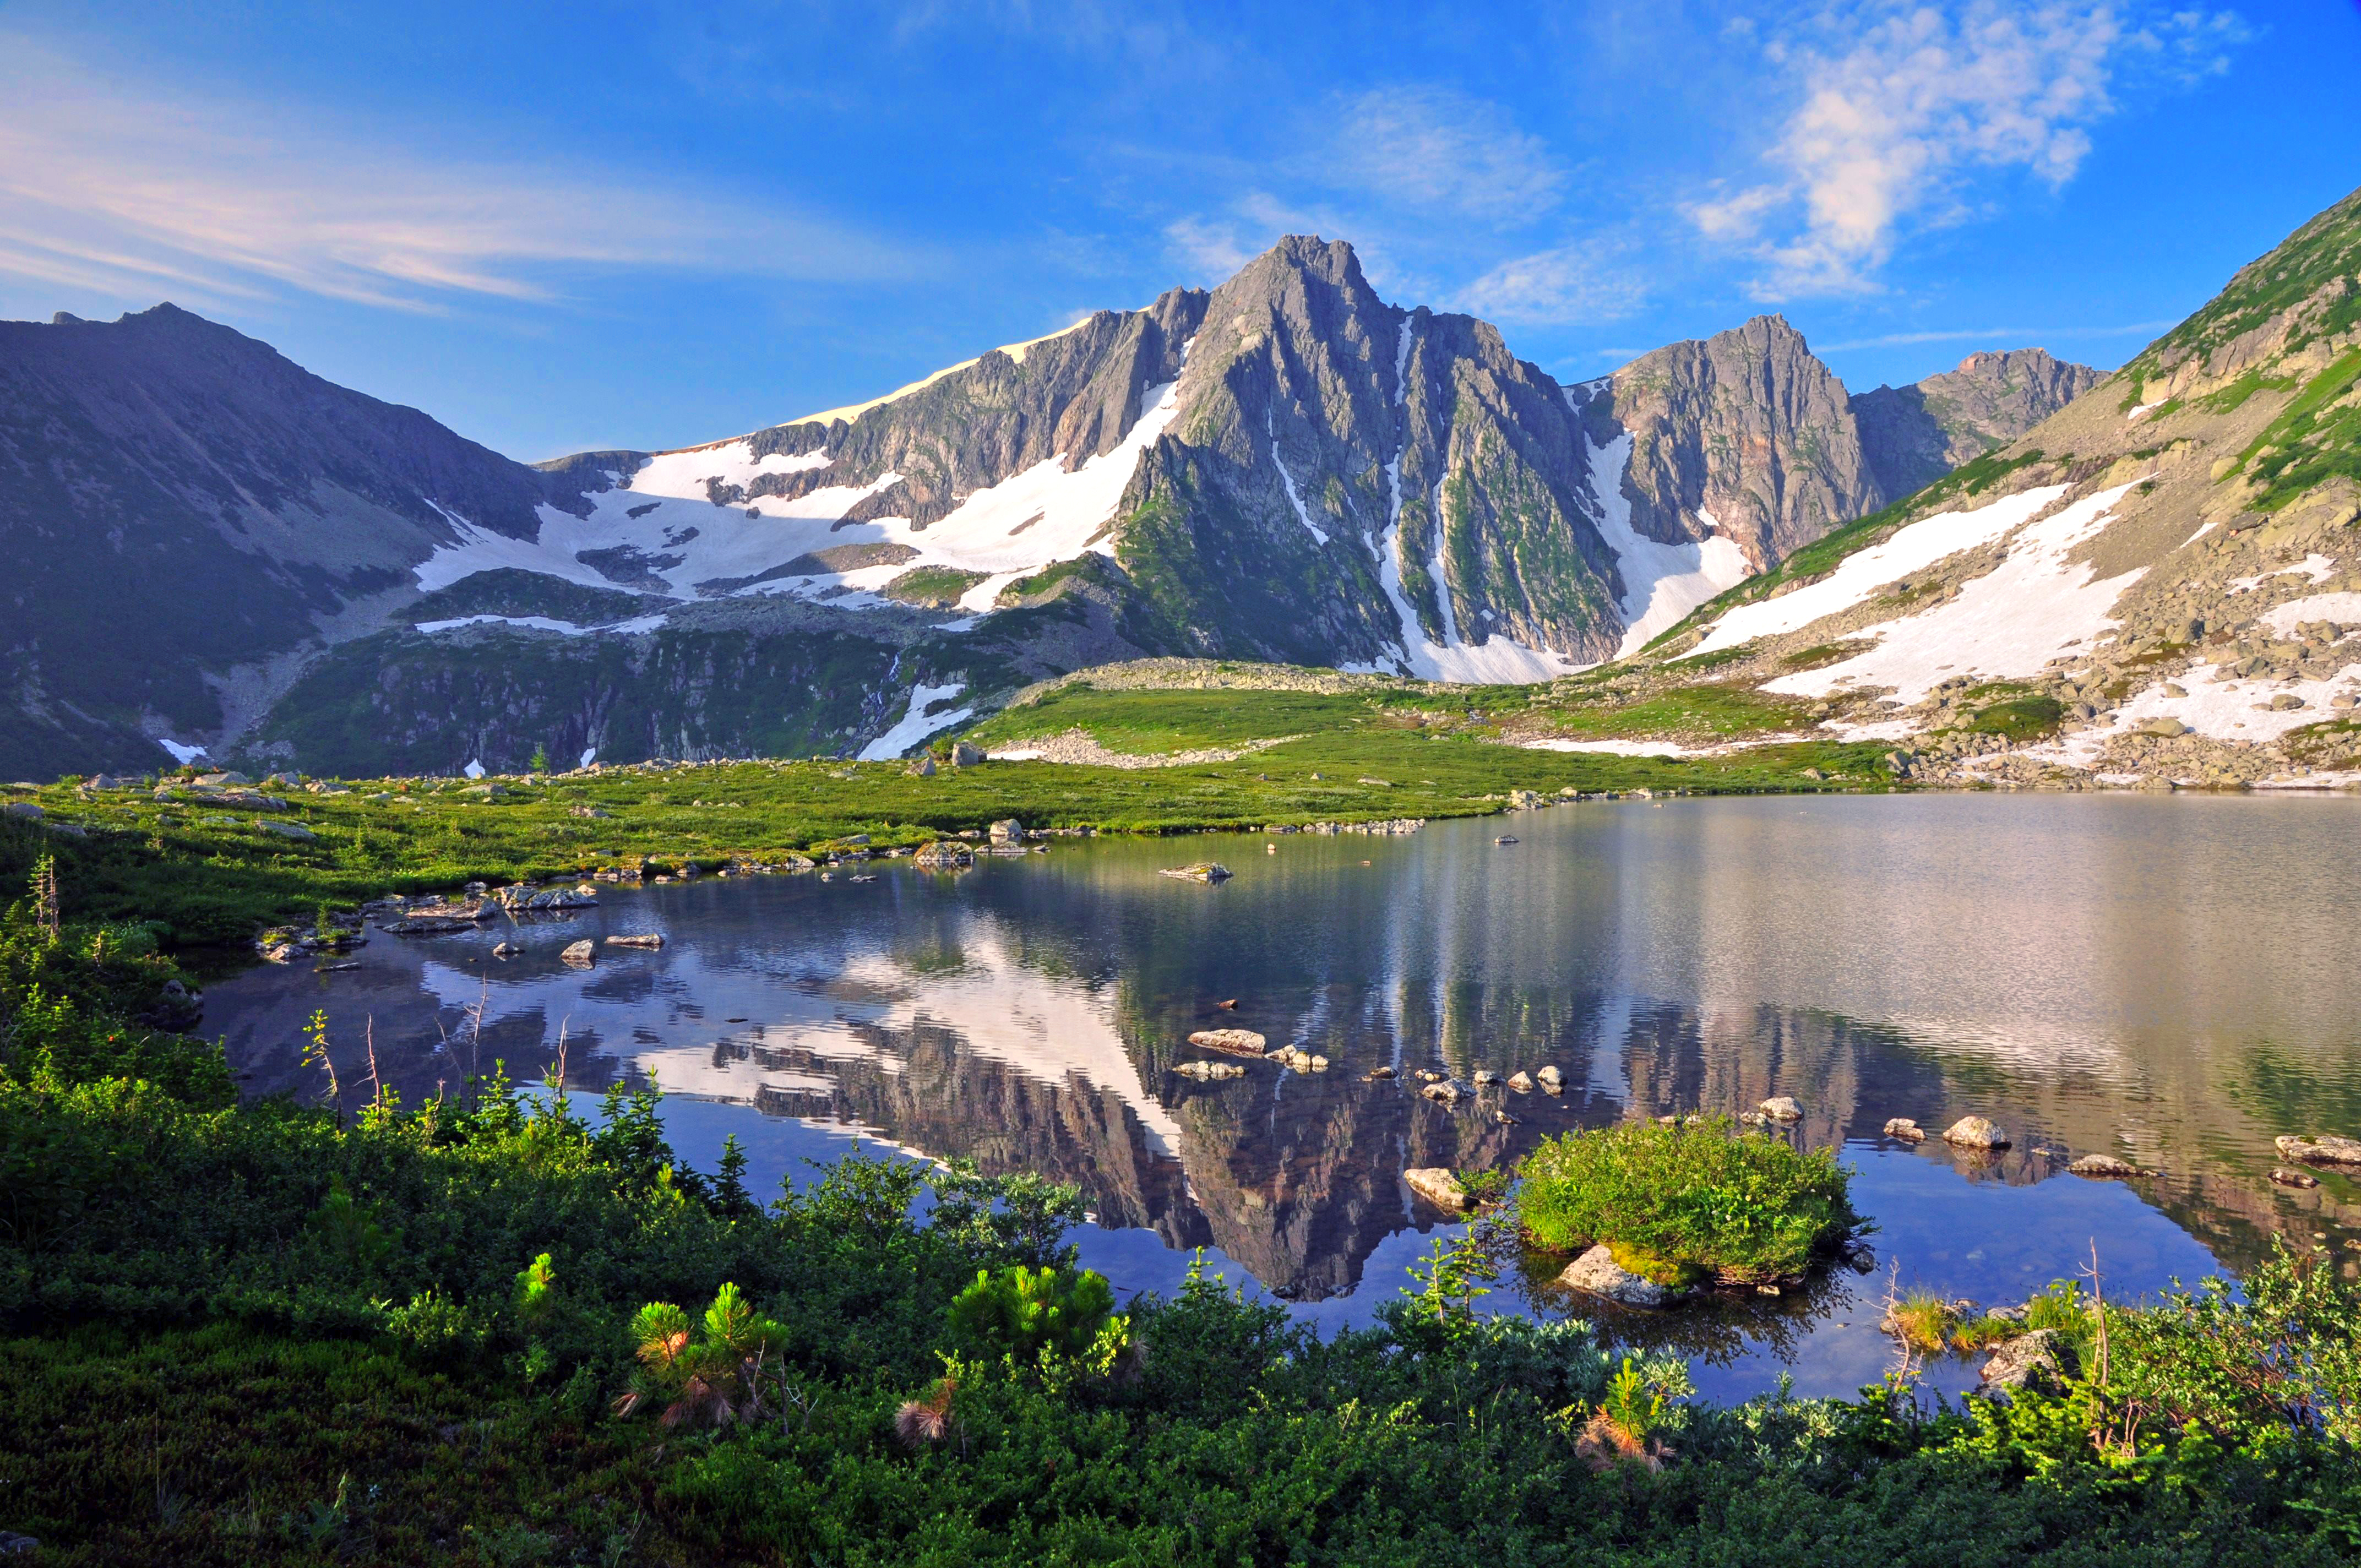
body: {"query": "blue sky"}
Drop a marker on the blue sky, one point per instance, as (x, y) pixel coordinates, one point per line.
(556, 228)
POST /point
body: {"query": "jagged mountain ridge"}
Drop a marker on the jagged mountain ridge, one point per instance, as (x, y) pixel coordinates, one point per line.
(1286, 467)
(2165, 576)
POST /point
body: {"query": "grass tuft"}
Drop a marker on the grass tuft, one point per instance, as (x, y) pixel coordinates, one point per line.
(1697, 1199)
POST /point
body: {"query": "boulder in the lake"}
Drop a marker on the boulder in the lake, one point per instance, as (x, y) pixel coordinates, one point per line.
(2287, 1177)
(2327, 1148)
(578, 953)
(2103, 1164)
(1238, 1042)
(505, 950)
(643, 939)
(943, 855)
(1903, 1130)
(1521, 1082)
(1444, 1092)
(1377, 1074)
(1596, 1273)
(1202, 870)
(2042, 1358)
(1550, 1078)
(1008, 831)
(1204, 1070)
(1781, 1108)
(1975, 1132)
(1438, 1186)
(1485, 1076)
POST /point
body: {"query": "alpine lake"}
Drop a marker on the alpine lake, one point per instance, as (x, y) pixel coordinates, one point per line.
(2168, 979)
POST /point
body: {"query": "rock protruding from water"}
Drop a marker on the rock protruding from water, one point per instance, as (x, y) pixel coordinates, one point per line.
(2326, 1148)
(1975, 1132)
(1238, 1042)
(1596, 1273)
(1902, 1129)
(1551, 1081)
(1204, 1070)
(643, 939)
(1781, 1108)
(2040, 1358)
(1438, 1186)
(579, 953)
(2103, 1164)
(1008, 831)
(2286, 1176)
(943, 854)
(1204, 871)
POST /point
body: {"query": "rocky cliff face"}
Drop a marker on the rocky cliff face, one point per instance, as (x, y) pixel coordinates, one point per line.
(1744, 433)
(1748, 434)
(221, 548)
(1914, 436)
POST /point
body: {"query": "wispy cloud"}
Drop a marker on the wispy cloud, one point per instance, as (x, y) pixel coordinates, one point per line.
(129, 188)
(1891, 127)
(2011, 335)
(1432, 147)
(1570, 285)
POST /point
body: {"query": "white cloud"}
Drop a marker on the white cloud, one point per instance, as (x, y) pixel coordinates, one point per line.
(1996, 334)
(1209, 247)
(1431, 147)
(1892, 125)
(128, 187)
(1566, 286)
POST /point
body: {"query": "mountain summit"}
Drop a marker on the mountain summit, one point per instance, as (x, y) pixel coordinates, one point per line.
(225, 549)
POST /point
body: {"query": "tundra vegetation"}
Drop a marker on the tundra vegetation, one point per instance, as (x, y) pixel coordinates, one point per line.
(212, 866)
(491, 1329)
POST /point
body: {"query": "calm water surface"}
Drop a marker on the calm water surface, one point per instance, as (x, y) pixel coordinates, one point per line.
(2172, 980)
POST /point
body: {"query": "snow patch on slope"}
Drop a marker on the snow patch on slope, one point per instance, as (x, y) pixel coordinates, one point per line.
(1042, 515)
(917, 724)
(2010, 622)
(2223, 709)
(2342, 609)
(683, 545)
(1287, 481)
(1662, 582)
(1497, 662)
(632, 628)
(1863, 572)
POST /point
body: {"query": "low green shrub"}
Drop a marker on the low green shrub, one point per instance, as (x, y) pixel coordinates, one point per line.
(1023, 1313)
(1702, 1197)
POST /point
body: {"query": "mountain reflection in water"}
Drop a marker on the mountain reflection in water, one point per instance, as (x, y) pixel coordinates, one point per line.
(2170, 979)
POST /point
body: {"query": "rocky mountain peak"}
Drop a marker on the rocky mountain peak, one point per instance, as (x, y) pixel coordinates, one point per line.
(1916, 435)
(1745, 432)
